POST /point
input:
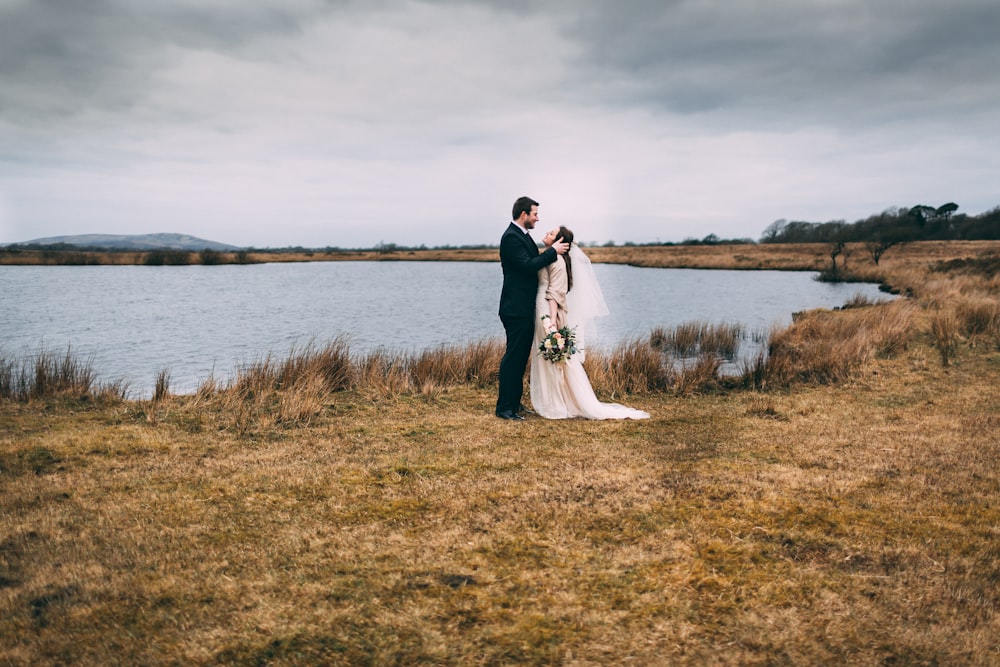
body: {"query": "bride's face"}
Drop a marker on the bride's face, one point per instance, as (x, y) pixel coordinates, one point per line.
(550, 237)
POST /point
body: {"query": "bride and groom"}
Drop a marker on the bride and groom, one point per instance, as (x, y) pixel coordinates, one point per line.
(558, 283)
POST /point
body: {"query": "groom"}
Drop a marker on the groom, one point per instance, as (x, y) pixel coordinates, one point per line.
(521, 262)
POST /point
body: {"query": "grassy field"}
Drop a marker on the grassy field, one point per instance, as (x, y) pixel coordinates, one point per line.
(837, 503)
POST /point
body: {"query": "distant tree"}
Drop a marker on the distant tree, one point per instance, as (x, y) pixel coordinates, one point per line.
(889, 228)
(178, 257)
(982, 227)
(836, 249)
(893, 227)
(922, 213)
(877, 247)
(155, 258)
(798, 231)
(773, 231)
(946, 210)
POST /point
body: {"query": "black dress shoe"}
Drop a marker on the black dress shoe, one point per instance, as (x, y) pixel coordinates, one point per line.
(507, 414)
(524, 411)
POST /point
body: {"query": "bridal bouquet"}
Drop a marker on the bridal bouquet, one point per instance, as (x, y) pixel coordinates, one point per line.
(558, 345)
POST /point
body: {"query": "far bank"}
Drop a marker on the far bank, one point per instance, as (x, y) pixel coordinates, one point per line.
(853, 258)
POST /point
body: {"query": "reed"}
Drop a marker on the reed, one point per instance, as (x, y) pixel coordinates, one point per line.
(682, 339)
(825, 347)
(633, 366)
(945, 328)
(821, 347)
(692, 339)
(859, 300)
(47, 374)
(481, 361)
(269, 391)
(721, 340)
(979, 316)
(442, 366)
(698, 375)
(382, 374)
(331, 365)
(161, 389)
(303, 400)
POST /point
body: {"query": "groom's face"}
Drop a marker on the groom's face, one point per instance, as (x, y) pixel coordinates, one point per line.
(531, 218)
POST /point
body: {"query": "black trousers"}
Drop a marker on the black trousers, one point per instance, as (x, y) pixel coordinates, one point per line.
(520, 332)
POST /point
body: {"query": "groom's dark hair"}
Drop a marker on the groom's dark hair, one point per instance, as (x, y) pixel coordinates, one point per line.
(523, 205)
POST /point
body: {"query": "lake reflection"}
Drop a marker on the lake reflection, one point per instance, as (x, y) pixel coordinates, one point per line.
(200, 321)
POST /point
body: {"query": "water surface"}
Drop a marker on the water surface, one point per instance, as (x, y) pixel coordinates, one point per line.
(203, 321)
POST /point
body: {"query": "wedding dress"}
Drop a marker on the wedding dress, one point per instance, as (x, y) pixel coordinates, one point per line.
(562, 390)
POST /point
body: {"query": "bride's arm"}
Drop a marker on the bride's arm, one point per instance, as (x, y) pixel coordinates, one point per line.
(555, 293)
(553, 312)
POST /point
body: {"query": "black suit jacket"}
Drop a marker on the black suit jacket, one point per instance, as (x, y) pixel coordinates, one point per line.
(521, 262)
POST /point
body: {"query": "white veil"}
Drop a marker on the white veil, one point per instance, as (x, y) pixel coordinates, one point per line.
(584, 301)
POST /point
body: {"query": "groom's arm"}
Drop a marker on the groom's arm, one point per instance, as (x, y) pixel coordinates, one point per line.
(517, 255)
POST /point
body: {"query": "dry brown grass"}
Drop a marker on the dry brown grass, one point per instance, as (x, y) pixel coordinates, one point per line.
(945, 331)
(828, 524)
(848, 516)
(825, 346)
(633, 366)
(690, 339)
(47, 373)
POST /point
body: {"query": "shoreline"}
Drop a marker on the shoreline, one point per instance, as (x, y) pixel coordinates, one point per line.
(773, 256)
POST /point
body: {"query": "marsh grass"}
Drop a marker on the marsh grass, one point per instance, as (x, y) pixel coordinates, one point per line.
(474, 363)
(693, 339)
(824, 346)
(48, 373)
(822, 524)
(846, 514)
(383, 374)
(633, 366)
(945, 328)
(860, 300)
(979, 316)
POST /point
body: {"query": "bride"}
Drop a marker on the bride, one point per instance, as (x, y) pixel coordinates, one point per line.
(568, 295)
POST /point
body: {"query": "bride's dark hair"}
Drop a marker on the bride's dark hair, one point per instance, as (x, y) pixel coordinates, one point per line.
(567, 236)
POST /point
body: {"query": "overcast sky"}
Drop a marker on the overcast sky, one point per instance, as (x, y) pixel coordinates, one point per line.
(347, 123)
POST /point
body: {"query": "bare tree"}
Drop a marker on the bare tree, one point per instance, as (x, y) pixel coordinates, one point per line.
(877, 247)
(836, 249)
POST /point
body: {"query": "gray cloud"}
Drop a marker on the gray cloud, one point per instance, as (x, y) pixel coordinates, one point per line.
(799, 62)
(350, 121)
(61, 57)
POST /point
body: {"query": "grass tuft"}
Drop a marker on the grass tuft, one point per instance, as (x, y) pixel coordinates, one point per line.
(825, 346)
(691, 339)
(945, 328)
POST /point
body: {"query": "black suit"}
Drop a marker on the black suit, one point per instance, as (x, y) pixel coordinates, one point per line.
(521, 262)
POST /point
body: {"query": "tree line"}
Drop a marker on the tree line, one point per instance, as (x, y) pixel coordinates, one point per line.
(891, 227)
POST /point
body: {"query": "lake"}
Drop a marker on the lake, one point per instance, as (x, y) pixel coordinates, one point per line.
(199, 321)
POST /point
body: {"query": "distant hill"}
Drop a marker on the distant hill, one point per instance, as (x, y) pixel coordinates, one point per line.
(133, 242)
